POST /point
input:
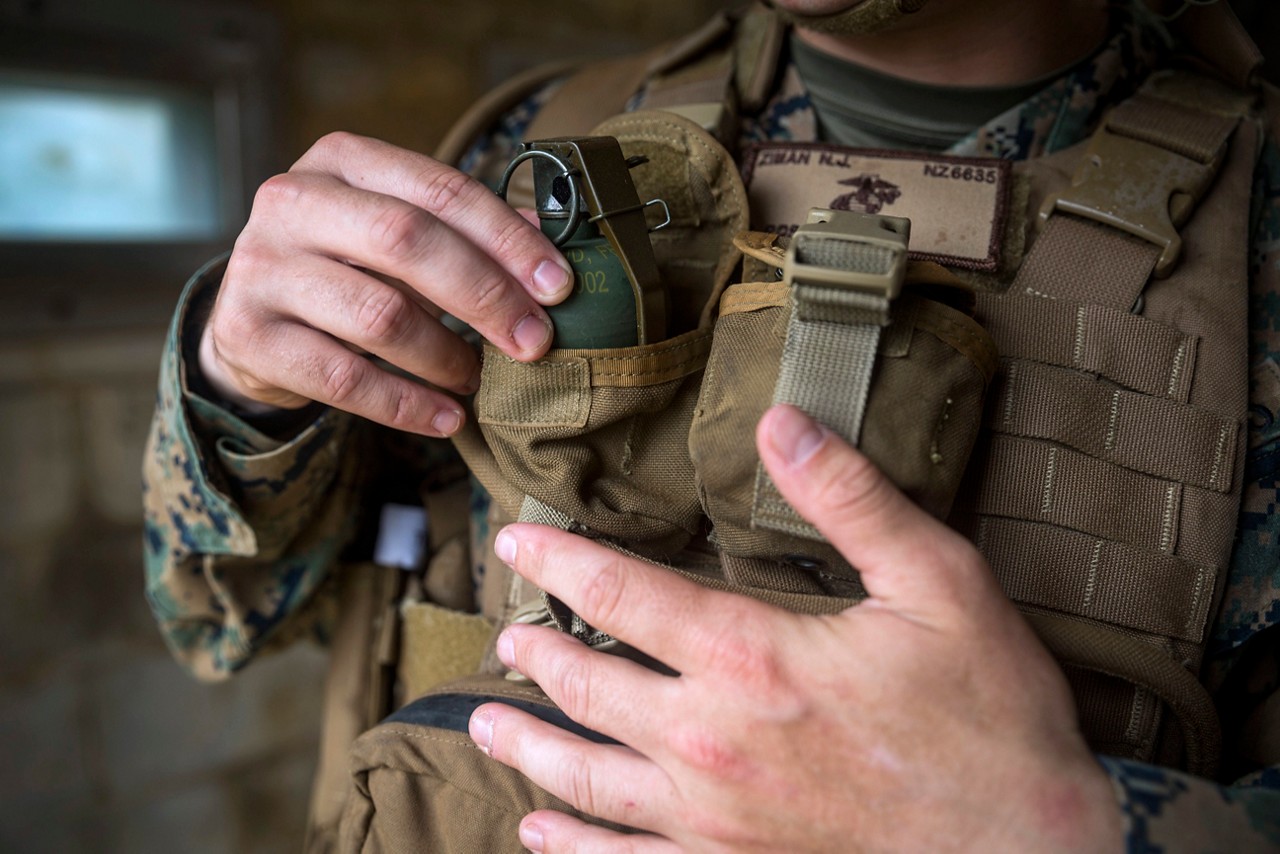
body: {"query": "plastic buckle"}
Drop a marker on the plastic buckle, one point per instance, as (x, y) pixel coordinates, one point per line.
(1139, 188)
(850, 250)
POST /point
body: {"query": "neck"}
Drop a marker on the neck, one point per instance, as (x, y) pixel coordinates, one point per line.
(976, 42)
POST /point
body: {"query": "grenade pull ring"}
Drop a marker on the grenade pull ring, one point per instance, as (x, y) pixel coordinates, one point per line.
(567, 173)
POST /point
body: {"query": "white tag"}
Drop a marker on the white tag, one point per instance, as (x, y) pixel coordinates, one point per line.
(402, 536)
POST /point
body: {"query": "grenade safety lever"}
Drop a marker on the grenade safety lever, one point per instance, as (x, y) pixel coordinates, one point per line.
(588, 205)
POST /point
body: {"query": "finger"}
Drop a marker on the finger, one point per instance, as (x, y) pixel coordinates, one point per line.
(465, 204)
(608, 781)
(549, 832)
(907, 558)
(382, 319)
(306, 362)
(394, 237)
(686, 626)
(602, 692)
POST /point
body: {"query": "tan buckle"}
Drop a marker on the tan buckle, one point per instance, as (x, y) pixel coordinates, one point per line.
(1139, 188)
(877, 246)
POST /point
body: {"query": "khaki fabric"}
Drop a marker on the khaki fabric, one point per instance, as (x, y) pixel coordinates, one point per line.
(422, 787)
(355, 693)
(1111, 463)
(923, 412)
(437, 645)
(1078, 520)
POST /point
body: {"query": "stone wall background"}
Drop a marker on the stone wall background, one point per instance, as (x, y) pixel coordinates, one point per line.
(105, 744)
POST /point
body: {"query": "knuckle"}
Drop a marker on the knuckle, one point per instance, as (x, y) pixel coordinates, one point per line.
(250, 261)
(278, 191)
(340, 377)
(488, 293)
(443, 190)
(385, 314)
(572, 682)
(707, 752)
(602, 593)
(335, 143)
(400, 233)
(404, 411)
(745, 660)
(576, 776)
(511, 239)
(229, 327)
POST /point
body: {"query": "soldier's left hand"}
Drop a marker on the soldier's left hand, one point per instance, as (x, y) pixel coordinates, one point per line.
(927, 717)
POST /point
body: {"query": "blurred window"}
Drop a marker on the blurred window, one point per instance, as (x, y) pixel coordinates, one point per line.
(84, 159)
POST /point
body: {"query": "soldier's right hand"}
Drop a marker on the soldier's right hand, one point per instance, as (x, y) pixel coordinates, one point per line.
(360, 248)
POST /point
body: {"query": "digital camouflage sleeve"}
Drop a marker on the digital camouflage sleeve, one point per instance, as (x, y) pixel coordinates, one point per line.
(245, 523)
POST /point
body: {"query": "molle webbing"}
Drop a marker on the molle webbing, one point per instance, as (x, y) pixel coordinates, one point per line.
(1139, 432)
(1107, 488)
(1114, 345)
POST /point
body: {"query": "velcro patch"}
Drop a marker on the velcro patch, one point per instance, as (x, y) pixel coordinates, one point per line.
(957, 205)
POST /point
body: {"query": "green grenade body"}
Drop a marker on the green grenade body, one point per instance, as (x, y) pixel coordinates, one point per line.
(601, 310)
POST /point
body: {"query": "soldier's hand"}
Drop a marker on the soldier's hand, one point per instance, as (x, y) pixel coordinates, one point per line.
(928, 717)
(360, 248)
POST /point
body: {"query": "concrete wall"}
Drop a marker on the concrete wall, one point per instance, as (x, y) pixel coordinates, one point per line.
(106, 744)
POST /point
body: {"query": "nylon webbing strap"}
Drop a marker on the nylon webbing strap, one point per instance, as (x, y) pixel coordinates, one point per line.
(1146, 434)
(1147, 167)
(533, 510)
(1084, 262)
(1039, 482)
(1097, 578)
(1124, 348)
(844, 270)
(701, 93)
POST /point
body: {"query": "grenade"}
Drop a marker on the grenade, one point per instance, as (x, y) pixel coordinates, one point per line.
(588, 206)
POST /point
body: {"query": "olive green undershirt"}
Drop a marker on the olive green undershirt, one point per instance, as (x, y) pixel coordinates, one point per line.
(858, 107)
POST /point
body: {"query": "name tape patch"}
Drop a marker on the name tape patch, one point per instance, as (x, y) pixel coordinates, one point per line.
(957, 205)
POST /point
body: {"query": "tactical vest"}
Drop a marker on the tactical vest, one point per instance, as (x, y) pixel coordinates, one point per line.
(1106, 466)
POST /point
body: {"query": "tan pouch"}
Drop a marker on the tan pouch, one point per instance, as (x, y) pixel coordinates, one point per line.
(923, 411)
(591, 433)
(421, 784)
(600, 435)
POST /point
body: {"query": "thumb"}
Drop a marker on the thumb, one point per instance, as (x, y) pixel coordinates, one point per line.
(908, 559)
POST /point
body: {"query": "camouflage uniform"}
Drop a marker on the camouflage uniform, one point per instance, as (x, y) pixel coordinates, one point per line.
(246, 521)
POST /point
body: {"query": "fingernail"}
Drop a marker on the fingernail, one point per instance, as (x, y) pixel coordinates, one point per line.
(504, 546)
(447, 422)
(795, 435)
(506, 649)
(550, 278)
(481, 730)
(531, 333)
(531, 837)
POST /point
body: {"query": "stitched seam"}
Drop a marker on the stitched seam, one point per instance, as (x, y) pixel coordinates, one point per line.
(1036, 293)
(1077, 353)
(1217, 456)
(1091, 581)
(1136, 713)
(1109, 443)
(1177, 370)
(1047, 503)
(1195, 604)
(458, 740)
(1009, 374)
(1166, 527)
